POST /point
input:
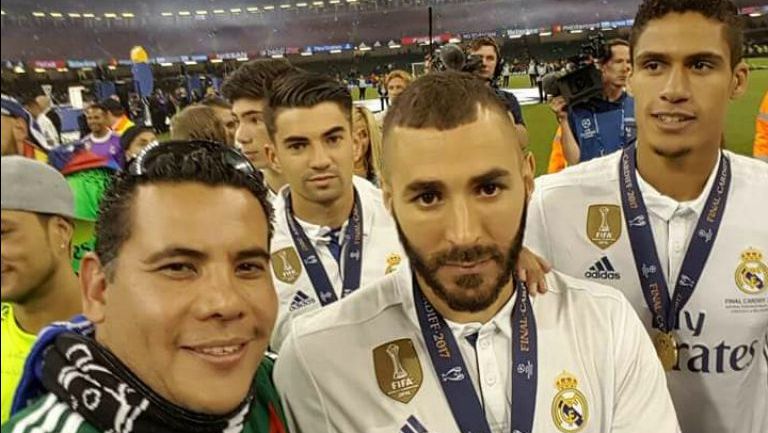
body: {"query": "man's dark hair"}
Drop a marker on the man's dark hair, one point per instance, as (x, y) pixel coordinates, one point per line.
(722, 11)
(206, 164)
(96, 106)
(443, 101)
(305, 90)
(485, 41)
(253, 79)
(608, 52)
(113, 107)
(216, 102)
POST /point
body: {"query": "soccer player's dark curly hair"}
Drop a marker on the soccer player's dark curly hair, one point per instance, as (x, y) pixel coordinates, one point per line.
(722, 11)
(207, 164)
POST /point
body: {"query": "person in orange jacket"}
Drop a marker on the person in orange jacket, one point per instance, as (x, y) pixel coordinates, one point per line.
(557, 160)
(761, 131)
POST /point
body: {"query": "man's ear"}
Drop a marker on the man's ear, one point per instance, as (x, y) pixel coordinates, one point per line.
(93, 286)
(529, 170)
(61, 232)
(740, 80)
(272, 158)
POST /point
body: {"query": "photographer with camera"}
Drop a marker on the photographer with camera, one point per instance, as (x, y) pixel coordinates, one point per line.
(486, 52)
(597, 125)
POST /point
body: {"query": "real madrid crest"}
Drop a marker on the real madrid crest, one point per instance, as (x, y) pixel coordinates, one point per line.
(398, 370)
(393, 261)
(570, 411)
(604, 224)
(752, 273)
(286, 265)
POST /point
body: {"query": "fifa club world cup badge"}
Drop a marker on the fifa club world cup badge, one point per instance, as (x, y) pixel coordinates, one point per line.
(398, 370)
(604, 224)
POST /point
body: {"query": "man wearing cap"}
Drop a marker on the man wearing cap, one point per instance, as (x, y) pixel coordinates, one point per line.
(38, 284)
(20, 133)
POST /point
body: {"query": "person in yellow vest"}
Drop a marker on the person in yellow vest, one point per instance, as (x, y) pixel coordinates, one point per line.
(761, 131)
(116, 116)
(38, 284)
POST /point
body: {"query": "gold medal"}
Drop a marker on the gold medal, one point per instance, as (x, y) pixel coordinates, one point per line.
(666, 349)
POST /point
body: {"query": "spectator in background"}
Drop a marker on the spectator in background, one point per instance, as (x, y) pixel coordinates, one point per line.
(159, 106)
(20, 133)
(381, 88)
(135, 139)
(223, 110)
(505, 74)
(541, 71)
(361, 86)
(116, 117)
(198, 122)
(532, 73)
(247, 89)
(395, 84)
(38, 284)
(46, 126)
(761, 131)
(44, 101)
(366, 137)
(102, 141)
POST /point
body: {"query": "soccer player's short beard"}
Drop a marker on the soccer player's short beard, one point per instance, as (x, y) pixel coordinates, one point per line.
(471, 297)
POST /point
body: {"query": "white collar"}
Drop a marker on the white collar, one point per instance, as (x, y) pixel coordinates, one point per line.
(666, 207)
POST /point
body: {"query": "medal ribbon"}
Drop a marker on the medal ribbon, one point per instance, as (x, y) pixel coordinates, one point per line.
(353, 260)
(652, 280)
(454, 377)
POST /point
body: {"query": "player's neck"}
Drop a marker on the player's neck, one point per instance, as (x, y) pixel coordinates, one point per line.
(454, 316)
(682, 178)
(331, 214)
(101, 134)
(613, 93)
(59, 300)
(272, 179)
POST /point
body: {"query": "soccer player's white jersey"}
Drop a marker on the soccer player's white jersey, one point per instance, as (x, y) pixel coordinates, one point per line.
(575, 221)
(382, 254)
(362, 365)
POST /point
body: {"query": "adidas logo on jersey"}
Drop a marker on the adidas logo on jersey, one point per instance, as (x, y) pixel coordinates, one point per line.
(413, 426)
(602, 270)
(300, 300)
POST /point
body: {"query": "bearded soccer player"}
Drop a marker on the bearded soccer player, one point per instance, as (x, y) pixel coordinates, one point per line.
(675, 222)
(453, 343)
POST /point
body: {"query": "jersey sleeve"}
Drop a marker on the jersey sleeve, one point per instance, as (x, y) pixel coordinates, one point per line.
(302, 399)
(642, 402)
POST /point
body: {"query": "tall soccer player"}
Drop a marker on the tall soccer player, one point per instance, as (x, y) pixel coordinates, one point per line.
(675, 222)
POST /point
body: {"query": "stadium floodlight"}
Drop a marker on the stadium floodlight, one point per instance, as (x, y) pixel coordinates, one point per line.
(38, 14)
(306, 53)
(110, 15)
(577, 31)
(89, 15)
(184, 13)
(40, 70)
(545, 34)
(56, 15)
(190, 63)
(351, 1)
(242, 59)
(62, 70)
(19, 69)
(334, 2)
(454, 41)
(111, 67)
(166, 65)
(201, 12)
(219, 11)
(277, 56)
(318, 4)
(515, 36)
(2, 12)
(74, 15)
(755, 14)
(235, 10)
(335, 51)
(285, 6)
(395, 46)
(253, 9)
(166, 14)
(269, 7)
(364, 48)
(301, 5)
(217, 61)
(128, 15)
